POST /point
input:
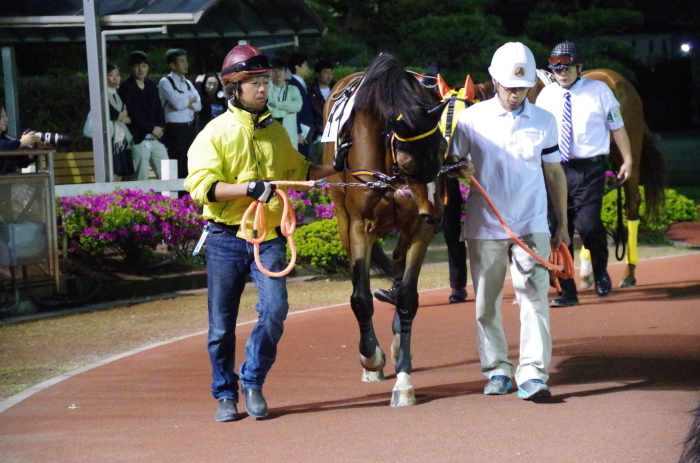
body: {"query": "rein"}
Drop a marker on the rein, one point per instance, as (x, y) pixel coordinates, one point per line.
(288, 225)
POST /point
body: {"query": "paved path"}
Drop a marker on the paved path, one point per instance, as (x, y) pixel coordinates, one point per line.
(625, 374)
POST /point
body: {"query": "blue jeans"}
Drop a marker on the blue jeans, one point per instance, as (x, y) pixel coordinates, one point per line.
(229, 261)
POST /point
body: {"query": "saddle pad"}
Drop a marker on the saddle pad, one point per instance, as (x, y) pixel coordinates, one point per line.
(545, 76)
(342, 108)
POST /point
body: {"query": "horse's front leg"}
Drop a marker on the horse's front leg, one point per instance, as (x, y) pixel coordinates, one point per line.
(406, 308)
(372, 357)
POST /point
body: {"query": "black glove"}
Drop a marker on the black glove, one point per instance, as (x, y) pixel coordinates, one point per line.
(262, 190)
(341, 154)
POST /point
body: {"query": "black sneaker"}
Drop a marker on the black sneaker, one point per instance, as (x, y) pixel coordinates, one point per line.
(386, 295)
(603, 286)
(458, 295)
(564, 301)
(227, 410)
(255, 403)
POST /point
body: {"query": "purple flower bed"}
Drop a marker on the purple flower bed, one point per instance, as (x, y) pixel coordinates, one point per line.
(131, 222)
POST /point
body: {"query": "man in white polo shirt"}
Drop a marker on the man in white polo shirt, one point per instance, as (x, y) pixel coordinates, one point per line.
(513, 147)
(587, 113)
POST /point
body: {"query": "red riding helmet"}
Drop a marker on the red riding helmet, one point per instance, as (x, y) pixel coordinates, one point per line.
(242, 62)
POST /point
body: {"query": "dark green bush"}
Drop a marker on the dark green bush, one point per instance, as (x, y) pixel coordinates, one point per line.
(677, 208)
(46, 106)
(318, 245)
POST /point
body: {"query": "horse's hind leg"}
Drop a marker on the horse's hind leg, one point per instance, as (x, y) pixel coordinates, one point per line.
(633, 201)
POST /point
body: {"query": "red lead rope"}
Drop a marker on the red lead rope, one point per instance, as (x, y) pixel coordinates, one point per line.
(288, 225)
(560, 261)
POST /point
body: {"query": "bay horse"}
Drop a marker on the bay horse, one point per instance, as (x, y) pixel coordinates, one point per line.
(647, 162)
(395, 137)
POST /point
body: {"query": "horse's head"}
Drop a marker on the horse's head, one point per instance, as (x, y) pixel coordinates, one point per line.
(418, 153)
(418, 146)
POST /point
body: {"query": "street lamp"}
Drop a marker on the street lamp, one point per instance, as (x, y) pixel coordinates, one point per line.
(685, 48)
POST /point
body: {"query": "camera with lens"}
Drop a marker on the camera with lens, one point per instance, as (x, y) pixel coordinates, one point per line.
(53, 138)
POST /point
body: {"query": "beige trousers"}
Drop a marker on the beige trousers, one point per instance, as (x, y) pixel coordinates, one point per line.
(489, 261)
(148, 154)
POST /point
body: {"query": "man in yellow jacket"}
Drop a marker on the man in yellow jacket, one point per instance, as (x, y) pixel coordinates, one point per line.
(231, 164)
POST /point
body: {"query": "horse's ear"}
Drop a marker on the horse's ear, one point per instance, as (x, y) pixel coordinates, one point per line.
(443, 88)
(436, 111)
(469, 91)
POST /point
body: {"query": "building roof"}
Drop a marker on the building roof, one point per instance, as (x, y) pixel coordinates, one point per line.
(38, 21)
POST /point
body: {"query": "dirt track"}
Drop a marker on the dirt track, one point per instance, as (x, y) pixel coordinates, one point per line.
(625, 374)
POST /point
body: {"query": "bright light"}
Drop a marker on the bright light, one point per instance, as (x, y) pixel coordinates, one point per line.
(685, 48)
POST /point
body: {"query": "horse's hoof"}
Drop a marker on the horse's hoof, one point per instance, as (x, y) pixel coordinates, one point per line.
(372, 376)
(586, 281)
(373, 366)
(403, 394)
(628, 282)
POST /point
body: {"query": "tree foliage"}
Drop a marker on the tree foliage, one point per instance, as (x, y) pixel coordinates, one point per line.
(458, 37)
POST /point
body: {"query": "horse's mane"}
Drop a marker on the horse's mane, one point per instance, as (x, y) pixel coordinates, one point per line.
(388, 91)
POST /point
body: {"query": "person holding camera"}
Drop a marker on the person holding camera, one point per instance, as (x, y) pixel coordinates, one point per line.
(140, 95)
(10, 164)
(231, 164)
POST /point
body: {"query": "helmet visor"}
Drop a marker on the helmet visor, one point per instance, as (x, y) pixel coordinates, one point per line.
(252, 65)
(561, 60)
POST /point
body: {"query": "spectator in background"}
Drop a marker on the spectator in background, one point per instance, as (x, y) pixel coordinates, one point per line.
(284, 100)
(140, 95)
(211, 92)
(122, 140)
(318, 94)
(10, 164)
(180, 101)
(299, 67)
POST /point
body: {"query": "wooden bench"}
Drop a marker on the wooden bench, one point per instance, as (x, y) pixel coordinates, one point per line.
(73, 168)
(77, 168)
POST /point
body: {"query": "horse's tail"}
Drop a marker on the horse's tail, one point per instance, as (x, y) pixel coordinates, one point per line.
(380, 263)
(652, 174)
(691, 447)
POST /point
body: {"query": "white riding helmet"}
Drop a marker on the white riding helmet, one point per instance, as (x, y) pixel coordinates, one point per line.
(513, 65)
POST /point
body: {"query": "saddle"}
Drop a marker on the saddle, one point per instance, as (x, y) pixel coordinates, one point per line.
(342, 111)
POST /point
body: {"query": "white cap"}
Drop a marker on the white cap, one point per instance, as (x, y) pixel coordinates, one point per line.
(513, 65)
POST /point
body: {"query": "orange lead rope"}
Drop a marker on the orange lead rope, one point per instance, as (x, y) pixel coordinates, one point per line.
(560, 261)
(288, 225)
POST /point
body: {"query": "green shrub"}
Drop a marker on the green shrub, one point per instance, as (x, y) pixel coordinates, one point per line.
(318, 245)
(677, 208)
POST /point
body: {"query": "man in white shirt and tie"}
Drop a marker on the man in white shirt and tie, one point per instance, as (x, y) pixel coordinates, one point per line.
(180, 101)
(587, 114)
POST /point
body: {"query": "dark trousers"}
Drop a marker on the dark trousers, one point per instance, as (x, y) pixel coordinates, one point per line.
(585, 179)
(178, 138)
(452, 230)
